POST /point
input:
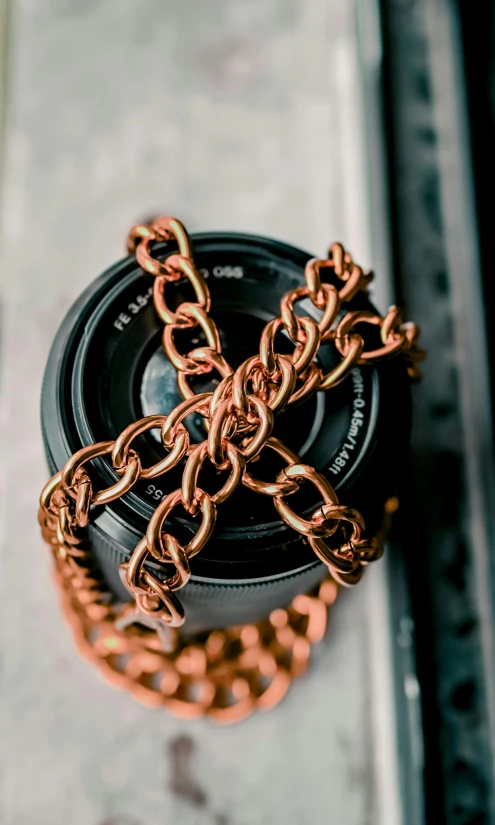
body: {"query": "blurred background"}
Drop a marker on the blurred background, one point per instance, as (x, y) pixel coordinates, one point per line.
(358, 120)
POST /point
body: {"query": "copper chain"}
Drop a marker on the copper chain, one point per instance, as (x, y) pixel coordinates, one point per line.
(227, 675)
(239, 417)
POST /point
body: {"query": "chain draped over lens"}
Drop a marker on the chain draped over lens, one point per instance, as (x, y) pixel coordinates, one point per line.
(239, 418)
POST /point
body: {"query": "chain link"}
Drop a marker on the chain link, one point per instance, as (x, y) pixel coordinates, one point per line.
(226, 676)
(239, 417)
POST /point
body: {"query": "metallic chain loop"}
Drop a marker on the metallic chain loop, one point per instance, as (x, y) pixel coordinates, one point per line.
(162, 229)
(196, 404)
(277, 488)
(238, 415)
(154, 537)
(153, 596)
(199, 318)
(181, 267)
(329, 302)
(130, 472)
(209, 360)
(254, 664)
(191, 472)
(307, 343)
(122, 444)
(314, 527)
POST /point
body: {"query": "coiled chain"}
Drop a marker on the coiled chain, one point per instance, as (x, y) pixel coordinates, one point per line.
(239, 417)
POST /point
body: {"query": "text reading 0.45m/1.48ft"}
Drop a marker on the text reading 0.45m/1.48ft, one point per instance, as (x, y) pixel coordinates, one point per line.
(355, 426)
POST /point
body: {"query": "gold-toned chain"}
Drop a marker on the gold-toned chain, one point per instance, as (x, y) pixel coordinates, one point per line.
(239, 417)
(225, 674)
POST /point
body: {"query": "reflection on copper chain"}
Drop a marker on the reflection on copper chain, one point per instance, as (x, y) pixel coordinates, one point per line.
(239, 418)
(226, 675)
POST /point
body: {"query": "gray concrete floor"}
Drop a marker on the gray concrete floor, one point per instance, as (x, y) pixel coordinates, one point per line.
(233, 114)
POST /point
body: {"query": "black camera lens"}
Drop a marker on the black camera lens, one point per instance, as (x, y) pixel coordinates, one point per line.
(107, 368)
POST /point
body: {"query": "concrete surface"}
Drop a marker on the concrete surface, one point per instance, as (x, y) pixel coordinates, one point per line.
(234, 114)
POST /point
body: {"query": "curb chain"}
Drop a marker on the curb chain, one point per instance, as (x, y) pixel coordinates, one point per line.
(238, 418)
(225, 675)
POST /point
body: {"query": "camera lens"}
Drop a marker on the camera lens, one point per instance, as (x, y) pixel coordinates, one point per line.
(107, 368)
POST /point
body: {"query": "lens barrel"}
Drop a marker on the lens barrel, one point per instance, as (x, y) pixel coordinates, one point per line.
(107, 368)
